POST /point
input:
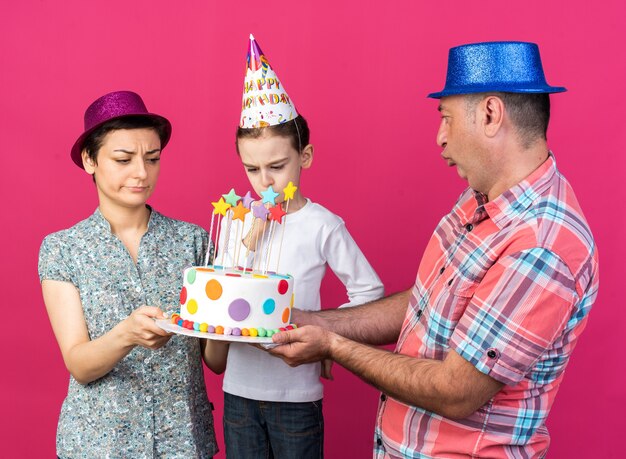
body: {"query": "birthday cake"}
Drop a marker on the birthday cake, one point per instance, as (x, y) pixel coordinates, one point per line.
(235, 301)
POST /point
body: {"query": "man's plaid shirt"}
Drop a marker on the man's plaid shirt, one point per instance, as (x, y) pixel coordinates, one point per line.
(508, 285)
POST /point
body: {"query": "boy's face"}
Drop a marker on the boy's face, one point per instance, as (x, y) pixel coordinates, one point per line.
(272, 160)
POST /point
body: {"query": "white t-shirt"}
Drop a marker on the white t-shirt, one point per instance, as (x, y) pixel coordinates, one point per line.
(313, 238)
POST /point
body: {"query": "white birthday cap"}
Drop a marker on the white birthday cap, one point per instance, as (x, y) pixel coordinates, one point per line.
(264, 102)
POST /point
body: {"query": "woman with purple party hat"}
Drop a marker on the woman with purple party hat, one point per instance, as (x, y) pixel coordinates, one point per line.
(135, 390)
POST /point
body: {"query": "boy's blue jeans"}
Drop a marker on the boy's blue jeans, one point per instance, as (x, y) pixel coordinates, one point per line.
(257, 429)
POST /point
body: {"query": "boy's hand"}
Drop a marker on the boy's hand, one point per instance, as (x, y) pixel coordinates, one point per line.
(254, 236)
(326, 370)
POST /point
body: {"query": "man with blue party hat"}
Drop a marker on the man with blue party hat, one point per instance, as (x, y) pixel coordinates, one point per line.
(503, 290)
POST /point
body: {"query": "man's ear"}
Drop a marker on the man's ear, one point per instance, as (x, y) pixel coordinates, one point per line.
(88, 163)
(493, 110)
(306, 157)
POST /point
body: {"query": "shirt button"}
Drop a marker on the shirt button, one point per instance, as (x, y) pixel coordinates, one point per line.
(379, 441)
(442, 270)
(148, 398)
(492, 354)
(469, 227)
(383, 397)
(418, 313)
(138, 289)
(148, 435)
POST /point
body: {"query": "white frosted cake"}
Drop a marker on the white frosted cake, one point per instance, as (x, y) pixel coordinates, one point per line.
(230, 301)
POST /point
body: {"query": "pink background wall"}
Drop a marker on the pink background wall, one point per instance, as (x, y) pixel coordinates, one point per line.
(360, 73)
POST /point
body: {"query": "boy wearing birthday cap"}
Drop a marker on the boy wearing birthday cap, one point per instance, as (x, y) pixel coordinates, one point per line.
(271, 409)
(503, 290)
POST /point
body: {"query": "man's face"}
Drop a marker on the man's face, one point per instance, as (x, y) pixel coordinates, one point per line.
(459, 136)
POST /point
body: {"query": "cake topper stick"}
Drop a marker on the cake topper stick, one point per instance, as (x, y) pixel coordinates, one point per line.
(221, 207)
(239, 214)
(268, 197)
(229, 219)
(231, 198)
(246, 202)
(282, 236)
(239, 263)
(208, 250)
(256, 246)
(217, 237)
(268, 249)
(252, 228)
(277, 213)
(264, 242)
(236, 252)
(258, 249)
(260, 212)
(289, 192)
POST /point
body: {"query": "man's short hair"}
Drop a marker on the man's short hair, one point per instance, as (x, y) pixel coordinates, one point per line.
(530, 113)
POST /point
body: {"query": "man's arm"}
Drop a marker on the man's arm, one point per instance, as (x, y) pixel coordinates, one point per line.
(453, 388)
(378, 322)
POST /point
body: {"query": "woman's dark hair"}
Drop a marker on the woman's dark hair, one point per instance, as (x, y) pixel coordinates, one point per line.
(296, 130)
(93, 142)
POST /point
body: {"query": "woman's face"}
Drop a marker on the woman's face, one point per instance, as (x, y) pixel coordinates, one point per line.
(272, 160)
(127, 167)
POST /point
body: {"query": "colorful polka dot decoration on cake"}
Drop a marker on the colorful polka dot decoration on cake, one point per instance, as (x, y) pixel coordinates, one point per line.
(269, 306)
(192, 306)
(239, 310)
(220, 330)
(178, 325)
(283, 286)
(213, 289)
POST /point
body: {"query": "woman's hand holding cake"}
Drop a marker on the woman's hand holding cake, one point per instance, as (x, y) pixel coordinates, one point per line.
(139, 329)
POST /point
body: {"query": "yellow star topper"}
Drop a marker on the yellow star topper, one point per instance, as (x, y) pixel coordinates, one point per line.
(221, 207)
(289, 191)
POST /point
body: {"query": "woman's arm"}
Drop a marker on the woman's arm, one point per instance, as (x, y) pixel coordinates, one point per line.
(88, 360)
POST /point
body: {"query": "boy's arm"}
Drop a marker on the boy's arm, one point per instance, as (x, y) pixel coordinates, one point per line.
(348, 262)
(214, 354)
